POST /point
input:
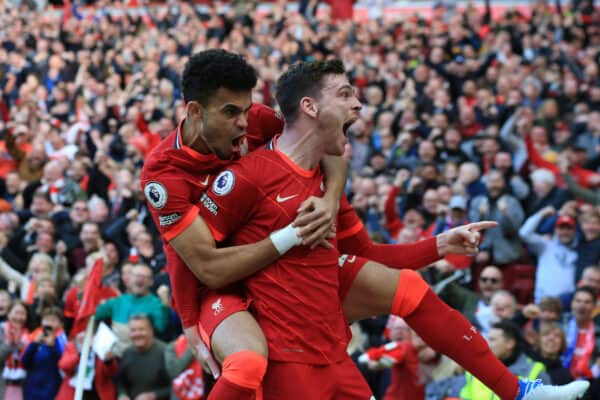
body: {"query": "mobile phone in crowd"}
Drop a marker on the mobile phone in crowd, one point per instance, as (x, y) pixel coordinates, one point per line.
(47, 330)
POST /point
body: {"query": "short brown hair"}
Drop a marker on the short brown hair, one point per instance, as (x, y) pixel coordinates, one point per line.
(52, 311)
(551, 304)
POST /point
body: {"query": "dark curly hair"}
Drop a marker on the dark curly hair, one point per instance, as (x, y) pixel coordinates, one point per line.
(300, 80)
(207, 71)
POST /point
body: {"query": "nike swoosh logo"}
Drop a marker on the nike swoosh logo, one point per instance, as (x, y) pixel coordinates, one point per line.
(282, 199)
(205, 181)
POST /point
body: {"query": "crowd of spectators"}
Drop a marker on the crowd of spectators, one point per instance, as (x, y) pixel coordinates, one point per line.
(465, 118)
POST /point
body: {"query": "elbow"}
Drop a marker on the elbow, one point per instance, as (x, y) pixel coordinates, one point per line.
(208, 267)
(209, 276)
(523, 234)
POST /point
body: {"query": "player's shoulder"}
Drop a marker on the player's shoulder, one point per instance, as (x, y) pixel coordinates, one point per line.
(250, 170)
(158, 158)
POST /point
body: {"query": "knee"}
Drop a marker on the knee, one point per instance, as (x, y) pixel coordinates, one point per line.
(245, 368)
(411, 289)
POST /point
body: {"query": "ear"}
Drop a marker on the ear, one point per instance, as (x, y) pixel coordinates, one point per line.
(194, 109)
(309, 106)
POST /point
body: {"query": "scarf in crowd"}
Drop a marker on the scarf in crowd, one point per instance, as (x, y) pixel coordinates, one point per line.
(578, 361)
(188, 385)
(13, 368)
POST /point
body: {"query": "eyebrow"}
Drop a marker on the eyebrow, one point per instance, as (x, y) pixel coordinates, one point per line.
(346, 86)
(233, 106)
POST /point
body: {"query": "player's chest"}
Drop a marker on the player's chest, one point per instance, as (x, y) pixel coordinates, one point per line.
(198, 183)
(287, 196)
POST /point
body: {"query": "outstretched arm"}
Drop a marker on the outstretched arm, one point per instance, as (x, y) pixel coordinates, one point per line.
(460, 240)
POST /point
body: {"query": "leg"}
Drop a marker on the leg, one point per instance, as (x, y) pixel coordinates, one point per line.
(238, 332)
(380, 290)
(237, 342)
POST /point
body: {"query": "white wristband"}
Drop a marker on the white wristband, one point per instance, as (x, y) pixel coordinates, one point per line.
(286, 238)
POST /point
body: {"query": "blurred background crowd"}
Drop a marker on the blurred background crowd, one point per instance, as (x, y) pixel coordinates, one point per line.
(468, 114)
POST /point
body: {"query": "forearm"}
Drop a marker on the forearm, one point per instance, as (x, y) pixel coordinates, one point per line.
(392, 220)
(11, 274)
(219, 267)
(529, 226)
(508, 127)
(534, 241)
(400, 256)
(176, 365)
(336, 169)
(589, 196)
(511, 219)
(60, 273)
(185, 294)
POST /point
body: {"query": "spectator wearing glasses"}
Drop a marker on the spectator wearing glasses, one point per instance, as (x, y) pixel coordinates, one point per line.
(476, 306)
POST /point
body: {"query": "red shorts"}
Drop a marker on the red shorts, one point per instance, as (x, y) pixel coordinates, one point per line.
(293, 381)
(217, 305)
(349, 267)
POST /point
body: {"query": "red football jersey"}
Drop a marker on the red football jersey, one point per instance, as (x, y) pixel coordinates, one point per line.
(173, 179)
(295, 299)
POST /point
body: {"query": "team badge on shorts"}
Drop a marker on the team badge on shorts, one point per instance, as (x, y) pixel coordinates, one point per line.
(217, 307)
(344, 258)
(224, 183)
(156, 194)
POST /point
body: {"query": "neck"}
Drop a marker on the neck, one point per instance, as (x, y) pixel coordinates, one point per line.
(549, 356)
(192, 138)
(301, 145)
(583, 324)
(145, 347)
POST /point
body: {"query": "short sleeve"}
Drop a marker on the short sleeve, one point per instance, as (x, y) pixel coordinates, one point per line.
(169, 203)
(229, 202)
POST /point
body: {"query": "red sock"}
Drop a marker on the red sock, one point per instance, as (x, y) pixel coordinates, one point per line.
(241, 378)
(448, 332)
(225, 390)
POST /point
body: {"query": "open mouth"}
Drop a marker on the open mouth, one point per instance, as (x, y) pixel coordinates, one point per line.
(236, 143)
(347, 126)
